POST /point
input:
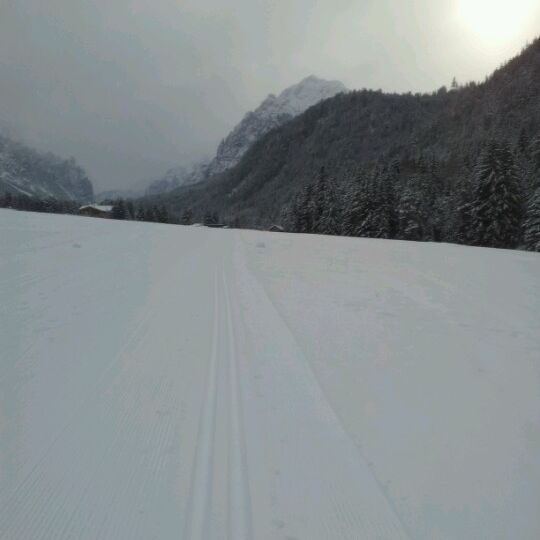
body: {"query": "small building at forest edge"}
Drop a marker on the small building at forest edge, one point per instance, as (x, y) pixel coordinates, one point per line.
(96, 210)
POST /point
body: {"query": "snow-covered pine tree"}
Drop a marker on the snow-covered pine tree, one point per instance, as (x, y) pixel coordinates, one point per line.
(532, 223)
(187, 217)
(141, 215)
(380, 218)
(355, 207)
(8, 200)
(130, 210)
(535, 154)
(320, 201)
(461, 200)
(496, 207)
(323, 206)
(119, 209)
(373, 220)
(369, 207)
(330, 221)
(307, 210)
(294, 222)
(285, 216)
(389, 180)
(523, 142)
(411, 218)
(300, 216)
(211, 218)
(162, 215)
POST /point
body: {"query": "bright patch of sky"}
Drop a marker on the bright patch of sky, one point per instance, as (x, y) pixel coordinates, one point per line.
(132, 87)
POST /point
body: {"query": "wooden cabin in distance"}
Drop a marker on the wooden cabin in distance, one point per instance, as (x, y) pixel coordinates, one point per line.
(96, 210)
(216, 225)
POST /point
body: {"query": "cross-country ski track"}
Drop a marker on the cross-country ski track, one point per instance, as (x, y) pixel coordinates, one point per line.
(157, 383)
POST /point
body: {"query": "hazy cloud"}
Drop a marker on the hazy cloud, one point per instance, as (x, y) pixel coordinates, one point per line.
(131, 87)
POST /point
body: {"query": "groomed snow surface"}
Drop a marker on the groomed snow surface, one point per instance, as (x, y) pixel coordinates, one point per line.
(166, 382)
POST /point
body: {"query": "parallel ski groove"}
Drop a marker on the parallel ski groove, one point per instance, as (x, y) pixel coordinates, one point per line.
(350, 504)
(198, 507)
(240, 526)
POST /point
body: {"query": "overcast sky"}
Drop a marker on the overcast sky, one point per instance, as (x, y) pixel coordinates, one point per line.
(133, 87)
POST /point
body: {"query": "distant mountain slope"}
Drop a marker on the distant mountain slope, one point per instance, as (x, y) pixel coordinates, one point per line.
(24, 171)
(177, 177)
(113, 194)
(442, 132)
(273, 112)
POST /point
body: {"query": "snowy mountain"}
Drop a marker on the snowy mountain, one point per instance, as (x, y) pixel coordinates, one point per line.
(178, 176)
(416, 156)
(273, 112)
(24, 171)
(113, 194)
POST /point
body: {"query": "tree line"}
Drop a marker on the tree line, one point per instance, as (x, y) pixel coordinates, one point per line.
(157, 213)
(121, 209)
(496, 205)
(33, 204)
(128, 210)
(434, 139)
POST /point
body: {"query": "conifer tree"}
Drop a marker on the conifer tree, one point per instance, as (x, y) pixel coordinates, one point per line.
(140, 215)
(130, 210)
(535, 154)
(187, 217)
(379, 220)
(411, 218)
(523, 142)
(496, 207)
(387, 201)
(8, 200)
(119, 210)
(460, 212)
(306, 210)
(149, 215)
(330, 221)
(373, 218)
(532, 222)
(319, 202)
(293, 215)
(161, 214)
(355, 207)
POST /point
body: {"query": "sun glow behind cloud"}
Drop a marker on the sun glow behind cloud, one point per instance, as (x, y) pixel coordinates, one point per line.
(495, 23)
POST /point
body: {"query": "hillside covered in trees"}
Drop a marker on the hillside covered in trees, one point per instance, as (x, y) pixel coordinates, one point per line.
(26, 172)
(460, 165)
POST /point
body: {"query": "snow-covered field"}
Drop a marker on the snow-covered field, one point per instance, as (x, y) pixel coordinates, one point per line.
(161, 382)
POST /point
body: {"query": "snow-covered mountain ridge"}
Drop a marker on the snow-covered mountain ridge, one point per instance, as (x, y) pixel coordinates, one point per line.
(178, 176)
(271, 113)
(24, 171)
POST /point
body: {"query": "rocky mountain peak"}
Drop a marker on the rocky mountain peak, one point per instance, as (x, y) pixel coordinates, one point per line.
(271, 113)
